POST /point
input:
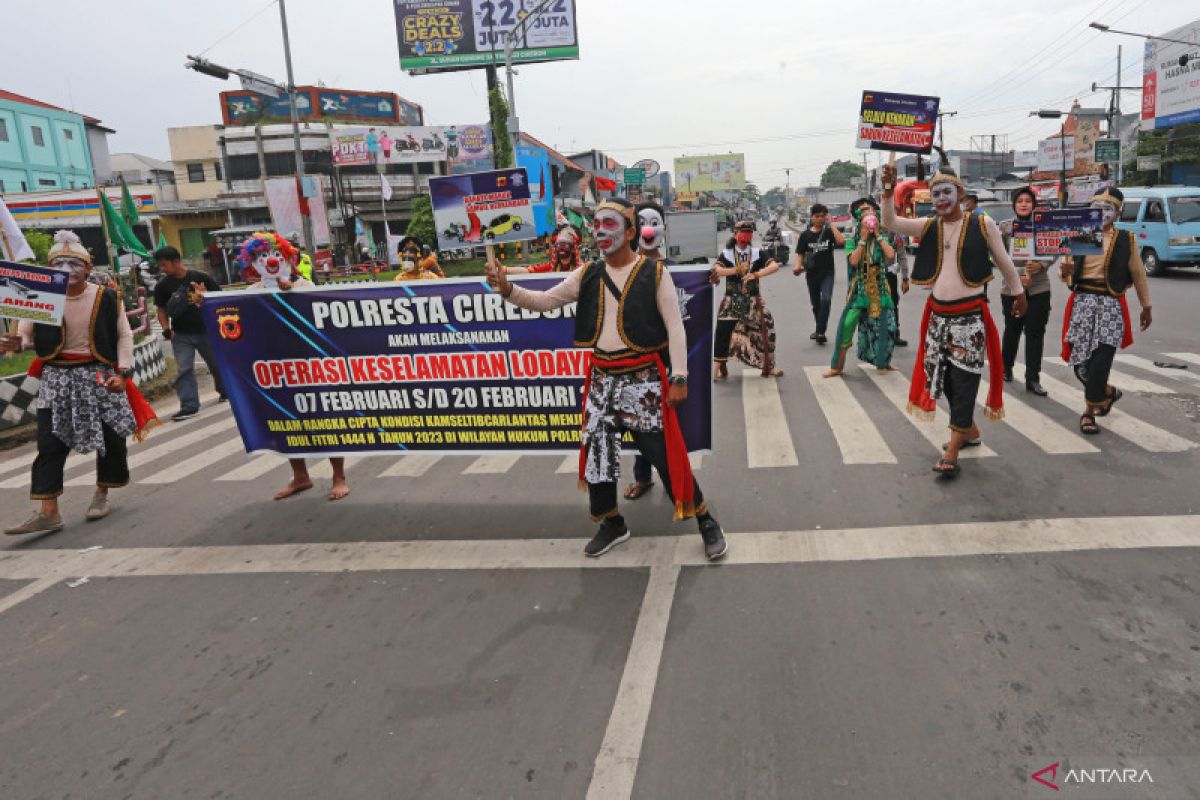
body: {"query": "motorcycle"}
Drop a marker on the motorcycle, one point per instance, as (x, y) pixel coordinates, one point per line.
(410, 143)
(434, 143)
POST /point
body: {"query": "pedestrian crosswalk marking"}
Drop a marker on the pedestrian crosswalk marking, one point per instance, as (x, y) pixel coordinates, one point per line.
(856, 435)
(1191, 358)
(895, 387)
(491, 465)
(1142, 434)
(254, 468)
(410, 466)
(23, 460)
(1148, 365)
(139, 458)
(569, 465)
(323, 469)
(1038, 428)
(768, 438)
(1130, 382)
(183, 469)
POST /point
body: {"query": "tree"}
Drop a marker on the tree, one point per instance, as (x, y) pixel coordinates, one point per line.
(421, 226)
(775, 197)
(40, 243)
(839, 173)
(502, 141)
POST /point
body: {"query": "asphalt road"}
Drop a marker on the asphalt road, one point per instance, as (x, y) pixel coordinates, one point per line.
(875, 633)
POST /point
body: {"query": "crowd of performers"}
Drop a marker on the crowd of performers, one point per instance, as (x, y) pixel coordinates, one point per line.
(628, 315)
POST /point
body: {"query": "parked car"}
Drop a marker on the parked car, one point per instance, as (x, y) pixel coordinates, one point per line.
(1166, 222)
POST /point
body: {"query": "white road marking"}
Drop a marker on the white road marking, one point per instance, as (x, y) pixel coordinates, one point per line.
(138, 457)
(1191, 358)
(768, 439)
(26, 592)
(323, 469)
(1038, 428)
(254, 468)
(410, 466)
(856, 435)
(183, 469)
(894, 386)
(1148, 365)
(1142, 434)
(569, 466)
(491, 465)
(617, 762)
(1128, 381)
(23, 460)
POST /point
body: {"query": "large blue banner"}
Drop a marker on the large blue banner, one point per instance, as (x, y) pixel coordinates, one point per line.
(536, 161)
(423, 366)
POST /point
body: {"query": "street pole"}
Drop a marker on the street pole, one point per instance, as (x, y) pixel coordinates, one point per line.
(1062, 174)
(509, 42)
(1117, 120)
(305, 219)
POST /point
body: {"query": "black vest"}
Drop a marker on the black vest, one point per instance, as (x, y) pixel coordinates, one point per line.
(48, 339)
(1117, 276)
(639, 322)
(974, 259)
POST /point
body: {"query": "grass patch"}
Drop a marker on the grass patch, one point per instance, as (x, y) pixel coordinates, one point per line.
(17, 364)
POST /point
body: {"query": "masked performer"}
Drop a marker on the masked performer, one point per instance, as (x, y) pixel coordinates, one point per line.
(870, 307)
(628, 313)
(1096, 321)
(87, 402)
(956, 328)
(411, 268)
(276, 254)
(564, 253)
(745, 327)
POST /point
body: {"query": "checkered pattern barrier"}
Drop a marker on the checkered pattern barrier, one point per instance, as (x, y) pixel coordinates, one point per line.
(18, 393)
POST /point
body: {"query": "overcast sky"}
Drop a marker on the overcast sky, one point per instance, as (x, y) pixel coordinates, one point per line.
(778, 80)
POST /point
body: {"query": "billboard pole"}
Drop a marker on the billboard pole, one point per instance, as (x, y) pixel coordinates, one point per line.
(305, 218)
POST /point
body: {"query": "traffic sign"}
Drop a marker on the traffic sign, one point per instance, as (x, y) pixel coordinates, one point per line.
(253, 82)
(649, 166)
(634, 176)
(1108, 151)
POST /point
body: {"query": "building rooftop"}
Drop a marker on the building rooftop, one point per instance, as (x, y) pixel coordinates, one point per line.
(128, 162)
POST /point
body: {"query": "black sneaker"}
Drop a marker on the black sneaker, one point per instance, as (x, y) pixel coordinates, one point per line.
(181, 415)
(715, 545)
(813, 335)
(1008, 375)
(608, 537)
(901, 342)
(821, 338)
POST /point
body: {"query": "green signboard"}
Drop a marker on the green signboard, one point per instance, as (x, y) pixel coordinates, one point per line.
(635, 177)
(1108, 151)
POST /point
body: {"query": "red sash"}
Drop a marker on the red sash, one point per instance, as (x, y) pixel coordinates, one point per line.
(143, 413)
(918, 395)
(682, 483)
(1126, 339)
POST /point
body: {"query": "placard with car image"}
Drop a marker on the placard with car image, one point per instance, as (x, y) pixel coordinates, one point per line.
(482, 208)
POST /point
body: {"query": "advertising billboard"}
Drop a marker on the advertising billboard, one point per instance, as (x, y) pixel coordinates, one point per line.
(1051, 157)
(318, 103)
(443, 35)
(1171, 78)
(723, 173)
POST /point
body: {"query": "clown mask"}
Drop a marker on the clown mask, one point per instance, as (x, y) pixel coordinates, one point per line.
(652, 234)
(271, 267)
(945, 198)
(744, 238)
(564, 247)
(609, 231)
(1108, 212)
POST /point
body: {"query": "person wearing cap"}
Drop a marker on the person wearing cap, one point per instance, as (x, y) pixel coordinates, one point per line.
(87, 402)
(745, 327)
(627, 312)
(1096, 321)
(1035, 278)
(956, 257)
(870, 305)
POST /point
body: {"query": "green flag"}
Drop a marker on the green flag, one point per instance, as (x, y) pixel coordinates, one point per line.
(119, 232)
(128, 207)
(162, 240)
(576, 219)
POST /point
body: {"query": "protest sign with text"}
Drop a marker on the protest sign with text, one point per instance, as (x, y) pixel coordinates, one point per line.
(1021, 243)
(439, 366)
(33, 293)
(900, 122)
(482, 208)
(1068, 232)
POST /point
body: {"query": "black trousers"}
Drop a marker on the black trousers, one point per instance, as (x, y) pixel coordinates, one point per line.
(1095, 372)
(722, 338)
(1033, 325)
(112, 468)
(961, 388)
(602, 497)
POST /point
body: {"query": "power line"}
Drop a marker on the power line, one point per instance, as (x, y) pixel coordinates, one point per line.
(250, 19)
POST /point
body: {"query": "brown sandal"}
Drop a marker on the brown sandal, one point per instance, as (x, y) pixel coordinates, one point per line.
(635, 490)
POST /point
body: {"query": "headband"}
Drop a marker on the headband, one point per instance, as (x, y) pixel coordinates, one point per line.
(625, 211)
(943, 177)
(1107, 198)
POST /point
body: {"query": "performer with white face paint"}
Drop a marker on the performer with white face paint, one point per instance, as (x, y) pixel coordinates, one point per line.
(957, 328)
(1096, 321)
(628, 313)
(564, 253)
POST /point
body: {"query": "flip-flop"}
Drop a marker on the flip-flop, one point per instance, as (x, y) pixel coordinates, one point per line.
(1088, 428)
(635, 490)
(950, 473)
(967, 443)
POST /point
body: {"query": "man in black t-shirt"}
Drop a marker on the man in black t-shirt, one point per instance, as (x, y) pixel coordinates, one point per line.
(814, 257)
(176, 296)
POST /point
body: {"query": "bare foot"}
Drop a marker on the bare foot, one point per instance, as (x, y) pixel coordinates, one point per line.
(340, 489)
(832, 373)
(775, 373)
(295, 487)
(888, 368)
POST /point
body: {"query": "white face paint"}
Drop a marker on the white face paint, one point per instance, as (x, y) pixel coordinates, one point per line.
(1108, 212)
(609, 231)
(269, 266)
(944, 197)
(77, 269)
(650, 221)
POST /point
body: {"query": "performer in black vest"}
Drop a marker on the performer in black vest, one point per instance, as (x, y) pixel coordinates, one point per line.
(628, 312)
(957, 328)
(1096, 321)
(87, 402)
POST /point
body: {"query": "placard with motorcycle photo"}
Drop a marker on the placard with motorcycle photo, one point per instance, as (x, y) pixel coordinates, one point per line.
(482, 208)
(903, 123)
(1068, 232)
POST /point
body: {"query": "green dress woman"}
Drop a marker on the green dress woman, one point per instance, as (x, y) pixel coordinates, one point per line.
(869, 305)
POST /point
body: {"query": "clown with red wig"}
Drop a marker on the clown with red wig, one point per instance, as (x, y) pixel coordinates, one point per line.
(269, 261)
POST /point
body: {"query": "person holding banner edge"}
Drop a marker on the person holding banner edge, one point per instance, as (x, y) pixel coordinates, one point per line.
(956, 328)
(628, 313)
(1096, 321)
